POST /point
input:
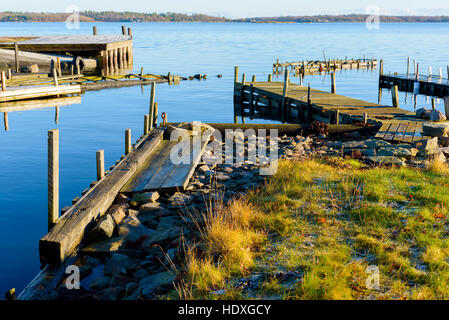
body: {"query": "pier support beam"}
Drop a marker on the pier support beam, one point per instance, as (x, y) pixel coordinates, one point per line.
(284, 94)
(3, 81)
(53, 177)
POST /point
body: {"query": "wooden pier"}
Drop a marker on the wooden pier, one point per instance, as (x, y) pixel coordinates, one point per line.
(426, 85)
(287, 102)
(317, 66)
(113, 52)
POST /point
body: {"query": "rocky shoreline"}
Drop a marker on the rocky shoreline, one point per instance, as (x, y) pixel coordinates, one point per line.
(134, 250)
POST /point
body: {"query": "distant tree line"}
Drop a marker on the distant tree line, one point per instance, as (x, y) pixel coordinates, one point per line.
(128, 16)
(108, 16)
(345, 18)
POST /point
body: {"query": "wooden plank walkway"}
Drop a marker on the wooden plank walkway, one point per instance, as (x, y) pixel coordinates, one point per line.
(265, 100)
(315, 66)
(161, 174)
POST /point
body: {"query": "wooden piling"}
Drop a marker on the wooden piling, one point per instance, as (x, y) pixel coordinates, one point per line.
(127, 141)
(309, 104)
(130, 33)
(55, 77)
(417, 71)
(236, 74)
(156, 106)
(254, 78)
(433, 104)
(430, 71)
(250, 101)
(284, 94)
(124, 30)
(243, 79)
(100, 164)
(381, 67)
(53, 177)
(270, 77)
(16, 57)
(365, 118)
(337, 116)
(395, 96)
(146, 123)
(3, 81)
(94, 30)
(408, 66)
(440, 72)
(152, 97)
(333, 85)
(9, 74)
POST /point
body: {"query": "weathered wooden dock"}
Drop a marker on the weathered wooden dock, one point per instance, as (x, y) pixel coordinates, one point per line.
(316, 66)
(426, 85)
(113, 52)
(287, 102)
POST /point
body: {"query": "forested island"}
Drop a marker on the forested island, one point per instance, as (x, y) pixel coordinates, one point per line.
(128, 16)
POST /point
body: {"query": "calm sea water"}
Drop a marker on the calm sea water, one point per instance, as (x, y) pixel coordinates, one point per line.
(100, 120)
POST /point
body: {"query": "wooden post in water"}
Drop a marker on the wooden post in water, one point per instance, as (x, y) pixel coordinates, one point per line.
(5, 121)
(381, 67)
(100, 164)
(417, 72)
(254, 78)
(333, 85)
(94, 30)
(155, 114)
(243, 79)
(124, 30)
(301, 78)
(365, 118)
(130, 33)
(236, 74)
(430, 71)
(152, 97)
(55, 77)
(433, 104)
(270, 77)
(251, 103)
(53, 177)
(337, 116)
(440, 72)
(16, 54)
(284, 94)
(127, 141)
(146, 123)
(309, 104)
(3, 81)
(408, 66)
(395, 96)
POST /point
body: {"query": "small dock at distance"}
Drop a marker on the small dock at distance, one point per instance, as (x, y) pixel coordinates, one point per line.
(287, 102)
(317, 66)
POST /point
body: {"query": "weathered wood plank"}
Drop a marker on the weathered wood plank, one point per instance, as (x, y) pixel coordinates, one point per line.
(70, 228)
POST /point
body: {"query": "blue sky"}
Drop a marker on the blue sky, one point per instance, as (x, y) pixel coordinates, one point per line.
(240, 8)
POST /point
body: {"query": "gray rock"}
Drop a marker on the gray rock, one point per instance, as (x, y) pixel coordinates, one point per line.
(179, 200)
(146, 197)
(140, 274)
(118, 212)
(153, 209)
(131, 229)
(153, 284)
(222, 177)
(428, 146)
(407, 152)
(104, 248)
(131, 288)
(120, 281)
(435, 129)
(204, 169)
(385, 160)
(92, 261)
(100, 283)
(119, 264)
(102, 231)
(421, 112)
(436, 115)
(161, 236)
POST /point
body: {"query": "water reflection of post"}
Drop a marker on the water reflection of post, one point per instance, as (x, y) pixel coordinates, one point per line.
(57, 115)
(379, 96)
(5, 120)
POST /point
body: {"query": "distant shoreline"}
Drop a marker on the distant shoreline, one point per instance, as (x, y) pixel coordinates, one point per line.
(110, 16)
